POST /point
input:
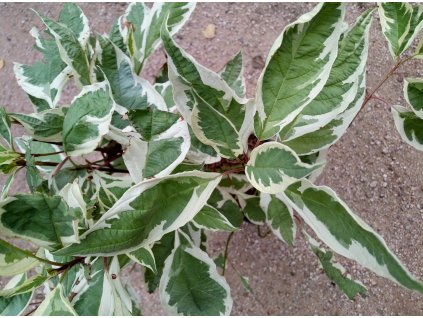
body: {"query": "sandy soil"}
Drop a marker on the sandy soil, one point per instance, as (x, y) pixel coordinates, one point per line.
(378, 175)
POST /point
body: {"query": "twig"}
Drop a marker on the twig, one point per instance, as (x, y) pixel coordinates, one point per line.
(225, 254)
(60, 165)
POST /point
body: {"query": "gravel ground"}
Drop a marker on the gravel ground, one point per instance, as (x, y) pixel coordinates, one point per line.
(378, 175)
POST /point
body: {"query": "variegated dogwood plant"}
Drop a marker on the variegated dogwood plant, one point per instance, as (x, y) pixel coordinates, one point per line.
(138, 174)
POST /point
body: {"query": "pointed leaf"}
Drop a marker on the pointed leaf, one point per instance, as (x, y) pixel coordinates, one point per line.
(15, 305)
(55, 304)
(5, 127)
(14, 261)
(413, 93)
(409, 126)
(145, 257)
(209, 218)
(232, 74)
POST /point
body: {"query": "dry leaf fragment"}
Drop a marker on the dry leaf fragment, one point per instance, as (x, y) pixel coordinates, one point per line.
(210, 31)
(1, 63)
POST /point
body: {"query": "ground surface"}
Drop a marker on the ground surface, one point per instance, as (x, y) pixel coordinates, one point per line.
(378, 175)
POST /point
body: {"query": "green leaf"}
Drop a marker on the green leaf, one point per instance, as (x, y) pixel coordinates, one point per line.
(44, 220)
(145, 213)
(190, 283)
(129, 90)
(43, 81)
(297, 67)
(210, 218)
(70, 49)
(245, 281)
(88, 119)
(232, 74)
(72, 16)
(401, 22)
(8, 160)
(55, 304)
(336, 272)
(279, 217)
(253, 211)
(151, 122)
(15, 305)
(5, 127)
(161, 250)
(409, 126)
(6, 187)
(413, 93)
(345, 233)
(342, 85)
(273, 167)
(145, 257)
(28, 285)
(13, 260)
(43, 126)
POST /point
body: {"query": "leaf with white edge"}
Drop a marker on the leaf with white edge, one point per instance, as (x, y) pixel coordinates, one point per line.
(235, 183)
(72, 16)
(70, 49)
(129, 90)
(145, 213)
(8, 159)
(28, 285)
(409, 126)
(245, 281)
(253, 211)
(55, 304)
(7, 185)
(279, 217)
(151, 122)
(232, 74)
(5, 127)
(346, 233)
(200, 153)
(43, 81)
(336, 272)
(297, 67)
(210, 218)
(273, 167)
(225, 203)
(145, 257)
(413, 93)
(401, 22)
(343, 83)
(157, 157)
(44, 220)
(191, 284)
(15, 305)
(13, 260)
(161, 250)
(44, 126)
(88, 119)
(166, 91)
(72, 195)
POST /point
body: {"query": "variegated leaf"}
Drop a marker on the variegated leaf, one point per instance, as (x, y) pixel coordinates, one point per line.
(273, 167)
(401, 22)
(70, 49)
(15, 305)
(44, 220)
(145, 257)
(145, 213)
(14, 261)
(342, 85)
(55, 304)
(72, 16)
(28, 285)
(409, 126)
(279, 217)
(210, 218)
(253, 211)
(5, 127)
(413, 93)
(297, 67)
(129, 90)
(191, 284)
(88, 119)
(336, 272)
(233, 74)
(346, 233)
(45, 126)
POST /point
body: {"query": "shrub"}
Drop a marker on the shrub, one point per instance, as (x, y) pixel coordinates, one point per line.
(138, 173)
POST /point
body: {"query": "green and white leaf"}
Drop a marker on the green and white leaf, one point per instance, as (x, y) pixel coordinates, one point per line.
(72, 195)
(27, 286)
(409, 126)
(72, 16)
(273, 167)
(253, 211)
(145, 257)
(129, 90)
(15, 305)
(191, 284)
(345, 233)
(401, 22)
(5, 127)
(146, 212)
(343, 83)
(55, 304)
(88, 119)
(70, 49)
(413, 93)
(279, 217)
(297, 67)
(210, 218)
(44, 220)
(45, 126)
(336, 272)
(233, 74)
(14, 261)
